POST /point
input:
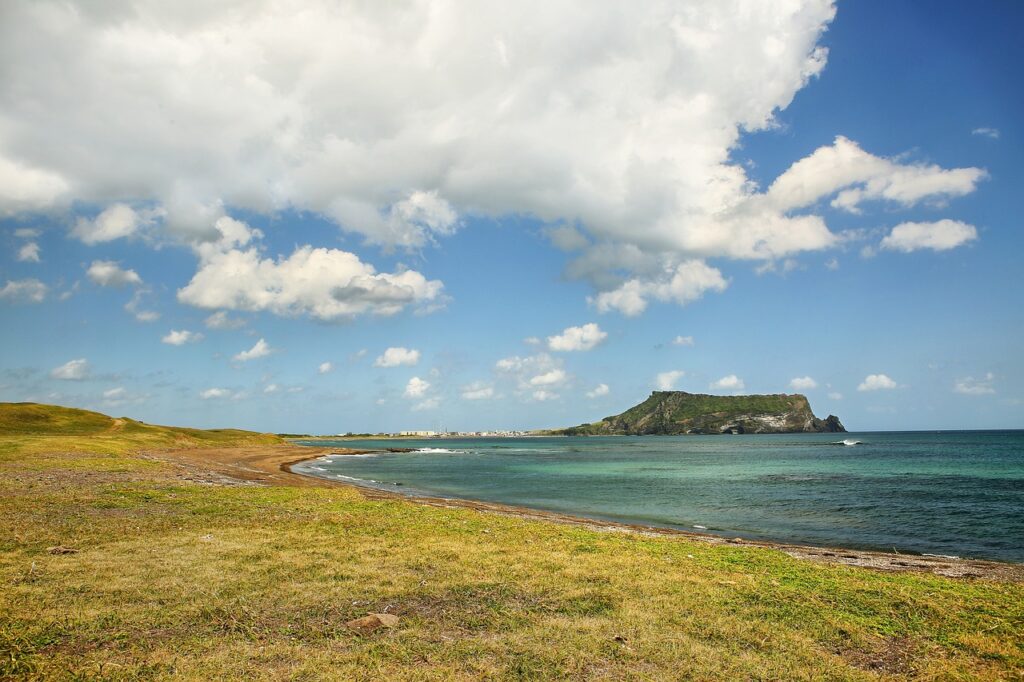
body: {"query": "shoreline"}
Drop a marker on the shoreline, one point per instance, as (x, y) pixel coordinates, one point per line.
(262, 465)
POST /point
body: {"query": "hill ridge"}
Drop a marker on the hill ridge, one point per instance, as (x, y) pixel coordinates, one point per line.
(679, 412)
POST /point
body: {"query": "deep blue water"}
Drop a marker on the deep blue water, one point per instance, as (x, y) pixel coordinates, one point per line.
(951, 493)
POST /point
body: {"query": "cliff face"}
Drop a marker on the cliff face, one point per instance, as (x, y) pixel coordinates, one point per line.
(678, 412)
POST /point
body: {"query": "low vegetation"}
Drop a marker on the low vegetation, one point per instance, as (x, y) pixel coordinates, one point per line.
(115, 567)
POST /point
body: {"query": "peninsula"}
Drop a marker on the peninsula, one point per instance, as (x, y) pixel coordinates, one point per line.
(673, 413)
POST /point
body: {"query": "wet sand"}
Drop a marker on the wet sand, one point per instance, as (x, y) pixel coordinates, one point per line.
(271, 465)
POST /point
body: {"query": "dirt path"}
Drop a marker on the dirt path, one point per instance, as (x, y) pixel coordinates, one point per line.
(271, 465)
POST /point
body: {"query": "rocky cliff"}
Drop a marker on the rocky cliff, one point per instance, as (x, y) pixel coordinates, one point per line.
(678, 412)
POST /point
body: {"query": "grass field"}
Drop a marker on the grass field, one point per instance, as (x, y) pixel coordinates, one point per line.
(174, 578)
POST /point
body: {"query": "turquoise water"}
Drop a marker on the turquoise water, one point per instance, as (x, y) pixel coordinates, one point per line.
(949, 493)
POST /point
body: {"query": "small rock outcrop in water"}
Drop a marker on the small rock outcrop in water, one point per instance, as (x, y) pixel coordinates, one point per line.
(679, 412)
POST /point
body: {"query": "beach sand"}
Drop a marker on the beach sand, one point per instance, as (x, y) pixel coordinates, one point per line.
(272, 465)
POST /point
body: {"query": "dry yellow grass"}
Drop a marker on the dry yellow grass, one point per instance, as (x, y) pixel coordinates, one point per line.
(174, 578)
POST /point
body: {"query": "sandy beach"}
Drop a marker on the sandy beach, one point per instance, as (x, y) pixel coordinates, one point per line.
(272, 465)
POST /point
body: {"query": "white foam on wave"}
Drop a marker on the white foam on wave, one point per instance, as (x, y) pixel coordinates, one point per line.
(438, 451)
(700, 527)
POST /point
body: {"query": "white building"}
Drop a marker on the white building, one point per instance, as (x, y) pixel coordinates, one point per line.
(417, 433)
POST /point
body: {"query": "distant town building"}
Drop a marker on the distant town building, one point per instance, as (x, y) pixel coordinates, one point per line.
(417, 433)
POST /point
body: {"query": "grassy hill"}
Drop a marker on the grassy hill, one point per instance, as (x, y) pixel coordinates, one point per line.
(115, 567)
(679, 412)
(38, 420)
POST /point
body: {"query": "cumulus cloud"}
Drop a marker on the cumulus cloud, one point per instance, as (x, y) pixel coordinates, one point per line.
(325, 368)
(858, 176)
(543, 395)
(134, 306)
(551, 378)
(877, 382)
(581, 338)
(666, 381)
(599, 390)
(477, 390)
(393, 120)
(23, 291)
(260, 349)
(682, 284)
(682, 341)
(397, 357)
(221, 320)
(938, 236)
(326, 284)
(72, 370)
(29, 253)
(728, 383)
(416, 388)
(115, 222)
(972, 386)
(533, 374)
(108, 273)
(802, 383)
(992, 133)
(181, 337)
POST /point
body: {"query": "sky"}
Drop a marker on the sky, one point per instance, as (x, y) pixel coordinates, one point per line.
(325, 217)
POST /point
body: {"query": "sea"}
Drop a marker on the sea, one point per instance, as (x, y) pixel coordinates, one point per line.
(948, 493)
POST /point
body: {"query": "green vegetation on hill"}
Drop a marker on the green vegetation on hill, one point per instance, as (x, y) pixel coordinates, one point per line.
(45, 429)
(678, 412)
(165, 577)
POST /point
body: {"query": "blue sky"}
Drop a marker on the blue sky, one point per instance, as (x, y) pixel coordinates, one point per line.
(544, 219)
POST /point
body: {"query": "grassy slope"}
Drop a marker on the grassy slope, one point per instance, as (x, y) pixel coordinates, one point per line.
(211, 582)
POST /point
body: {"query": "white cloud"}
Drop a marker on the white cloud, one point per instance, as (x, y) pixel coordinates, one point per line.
(972, 386)
(428, 404)
(392, 120)
(211, 393)
(271, 388)
(398, 357)
(682, 341)
(259, 350)
(666, 381)
(858, 176)
(682, 284)
(72, 370)
(581, 338)
(728, 383)
(832, 264)
(114, 393)
(27, 188)
(877, 382)
(221, 320)
(802, 383)
(27, 233)
(325, 368)
(992, 133)
(938, 236)
(599, 390)
(29, 253)
(133, 307)
(477, 391)
(533, 373)
(554, 377)
(416, 388)
(835, 395)
(327, 284)
(542, 395)
(23, 291)
(115, 222)
(108, 273)
(181, 337)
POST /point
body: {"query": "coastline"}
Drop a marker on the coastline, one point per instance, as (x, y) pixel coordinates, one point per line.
(270, 465)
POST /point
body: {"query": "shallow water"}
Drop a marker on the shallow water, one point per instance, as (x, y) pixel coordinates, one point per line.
(950, 493)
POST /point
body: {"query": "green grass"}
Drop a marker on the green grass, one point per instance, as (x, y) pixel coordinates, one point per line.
(212, 582)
